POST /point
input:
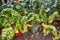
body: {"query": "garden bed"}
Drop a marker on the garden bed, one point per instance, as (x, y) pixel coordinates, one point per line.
(32, 21)
(39, 34)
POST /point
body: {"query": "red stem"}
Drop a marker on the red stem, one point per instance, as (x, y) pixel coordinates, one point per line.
(30, 22)
(22, 26)
(0, 31)
(28, 28)
(19, 33)
(47, 22)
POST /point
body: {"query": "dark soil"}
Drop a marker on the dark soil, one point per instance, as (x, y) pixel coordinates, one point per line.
(39, 34)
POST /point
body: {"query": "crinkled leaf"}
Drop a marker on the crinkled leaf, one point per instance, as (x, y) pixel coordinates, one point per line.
(35, 27)
(49, 28)
(7, 33)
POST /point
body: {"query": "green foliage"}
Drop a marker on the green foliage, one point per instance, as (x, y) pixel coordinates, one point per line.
(19, 16)
(35, 27)
(49, 29)
(7, 34)
(59, 1)
(42, 14)
(57, 37)
(8, 17)
(53, 17)
(19, 27)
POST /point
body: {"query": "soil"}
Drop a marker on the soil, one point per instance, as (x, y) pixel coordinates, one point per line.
(39, 34)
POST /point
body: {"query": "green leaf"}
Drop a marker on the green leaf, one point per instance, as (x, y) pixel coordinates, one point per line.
(8, 17)
(42, 14)
(7, 34)
(35, 27)
(57, 37)
(19, 27)
(24, 19)
(53, 17)
(49, 28)
(41, 10)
